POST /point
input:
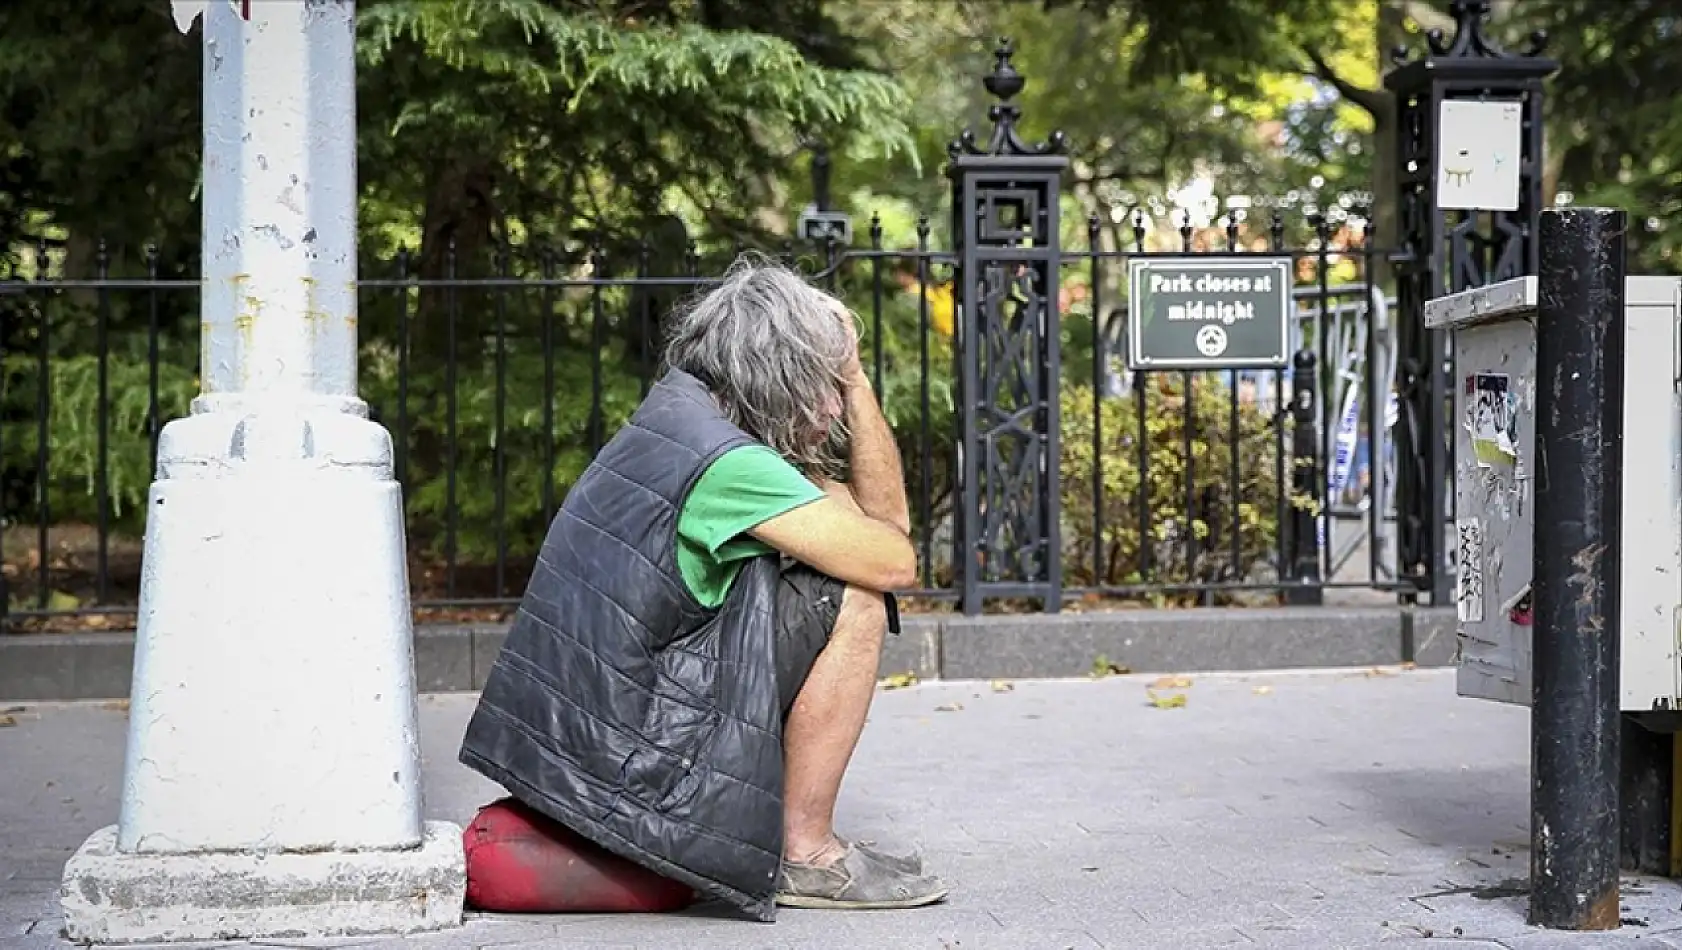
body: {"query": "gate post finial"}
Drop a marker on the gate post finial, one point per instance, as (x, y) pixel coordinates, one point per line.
(1005, 83)
(1005, 229)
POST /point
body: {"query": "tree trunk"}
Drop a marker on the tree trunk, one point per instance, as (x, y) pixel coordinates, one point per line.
(460, 208)
(667, 244)
(1386, 177)
(81, 262)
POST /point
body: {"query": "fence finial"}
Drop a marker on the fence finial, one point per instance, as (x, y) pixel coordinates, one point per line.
(1469, 41)
(1004, 83)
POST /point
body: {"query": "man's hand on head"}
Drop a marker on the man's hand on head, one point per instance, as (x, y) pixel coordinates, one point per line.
(856, 382)
(859, 532)
(852, 372)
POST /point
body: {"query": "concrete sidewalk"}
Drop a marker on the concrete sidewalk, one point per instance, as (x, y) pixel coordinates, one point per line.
(1314, 810)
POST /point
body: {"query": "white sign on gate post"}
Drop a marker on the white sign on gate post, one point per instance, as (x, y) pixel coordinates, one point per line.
(1478, 153)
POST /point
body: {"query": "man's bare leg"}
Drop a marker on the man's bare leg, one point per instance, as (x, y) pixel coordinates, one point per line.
(828, 715)
(819, 869)
(823, 727)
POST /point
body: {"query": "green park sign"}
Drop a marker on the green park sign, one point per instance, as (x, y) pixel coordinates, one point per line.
(1200, 311)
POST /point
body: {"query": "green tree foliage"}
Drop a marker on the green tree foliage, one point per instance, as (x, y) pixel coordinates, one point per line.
(1265, 72)
(527, 125)
(1629, 156)
(563, 119)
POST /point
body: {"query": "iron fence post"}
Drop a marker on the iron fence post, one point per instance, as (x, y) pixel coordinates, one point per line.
(1005, 339)
(1574, 713)
(819, 223)
(1306, 515)
(820, 175)
(1439, 255)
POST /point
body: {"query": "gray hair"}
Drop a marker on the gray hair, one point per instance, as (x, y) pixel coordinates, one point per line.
(772, 349)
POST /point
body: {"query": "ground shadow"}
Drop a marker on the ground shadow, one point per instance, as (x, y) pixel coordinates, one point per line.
(1473, 808)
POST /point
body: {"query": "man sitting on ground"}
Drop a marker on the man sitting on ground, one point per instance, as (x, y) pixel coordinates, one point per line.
(690, 668)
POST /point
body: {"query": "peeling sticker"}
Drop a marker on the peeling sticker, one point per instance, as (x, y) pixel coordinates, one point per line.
(1495, 492)
(1469, 573)
(1493, 418)
(1518, 608)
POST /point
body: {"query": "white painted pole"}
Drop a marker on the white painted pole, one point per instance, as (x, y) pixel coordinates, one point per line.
(279, 203)
(273, 764)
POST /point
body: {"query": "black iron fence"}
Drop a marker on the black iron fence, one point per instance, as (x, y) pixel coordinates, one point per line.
(1042, 470)
(501, 376)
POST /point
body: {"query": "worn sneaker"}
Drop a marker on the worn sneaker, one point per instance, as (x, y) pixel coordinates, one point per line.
(858, 880)
(911, 864)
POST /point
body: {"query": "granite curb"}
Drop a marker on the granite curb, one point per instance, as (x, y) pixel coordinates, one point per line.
(81, 666)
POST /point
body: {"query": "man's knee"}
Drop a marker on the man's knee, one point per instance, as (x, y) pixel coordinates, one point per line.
(864, 613)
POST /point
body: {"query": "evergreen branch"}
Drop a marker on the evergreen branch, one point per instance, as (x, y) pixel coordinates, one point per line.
(544, 51)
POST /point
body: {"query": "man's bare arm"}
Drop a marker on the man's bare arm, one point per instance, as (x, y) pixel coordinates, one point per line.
(834, 536)
(878, 475)
(861, 536)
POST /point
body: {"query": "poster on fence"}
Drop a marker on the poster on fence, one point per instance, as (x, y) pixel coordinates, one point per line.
(1203, 311)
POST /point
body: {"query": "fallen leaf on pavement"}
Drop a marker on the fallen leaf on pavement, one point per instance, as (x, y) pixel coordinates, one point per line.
(121, 704)
(900, 680)
(1172, 682)
(1262, 690)
(950, 707)
(1166, 702)
(1409, 665)
(1102, 667)
(8, 721)
(1003, 686)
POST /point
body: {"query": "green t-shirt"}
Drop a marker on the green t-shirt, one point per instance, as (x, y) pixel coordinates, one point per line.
(741, 489)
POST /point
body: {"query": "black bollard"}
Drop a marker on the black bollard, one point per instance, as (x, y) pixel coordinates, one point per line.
(1306, 482)
(1574, 718)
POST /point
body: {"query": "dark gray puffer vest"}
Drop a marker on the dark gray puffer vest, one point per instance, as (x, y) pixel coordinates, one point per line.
(621, 707)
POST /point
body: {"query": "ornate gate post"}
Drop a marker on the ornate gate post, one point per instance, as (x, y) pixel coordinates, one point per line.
(1005, 228)
(1469, 167)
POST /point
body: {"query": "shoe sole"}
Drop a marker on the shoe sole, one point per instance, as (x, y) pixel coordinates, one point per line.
(829, 903)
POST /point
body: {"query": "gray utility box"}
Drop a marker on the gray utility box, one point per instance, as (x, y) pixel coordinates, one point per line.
(1494, 342)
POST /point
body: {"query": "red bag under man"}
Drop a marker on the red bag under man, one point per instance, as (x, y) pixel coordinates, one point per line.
(520, 861)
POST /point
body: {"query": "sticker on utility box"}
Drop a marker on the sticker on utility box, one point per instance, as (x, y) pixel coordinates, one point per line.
(1469, 574)
(1492, 419)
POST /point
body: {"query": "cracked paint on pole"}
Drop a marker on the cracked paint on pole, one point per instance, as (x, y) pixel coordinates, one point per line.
(280, 203)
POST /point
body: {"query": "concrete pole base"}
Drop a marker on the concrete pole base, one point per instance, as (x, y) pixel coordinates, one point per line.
(115, 897)
(272, 783)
